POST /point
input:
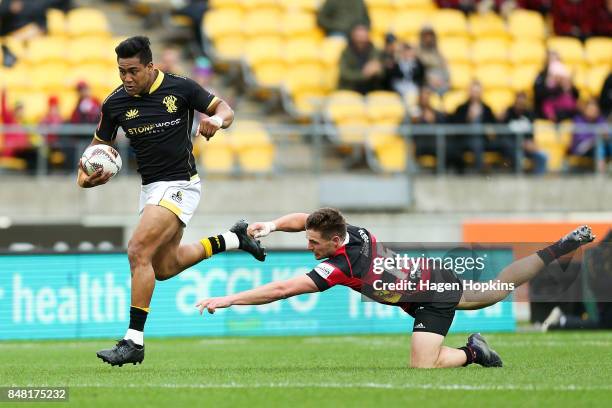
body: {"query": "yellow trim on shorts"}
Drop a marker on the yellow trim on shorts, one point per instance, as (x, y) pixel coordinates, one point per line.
(195, 177)
(167, 204)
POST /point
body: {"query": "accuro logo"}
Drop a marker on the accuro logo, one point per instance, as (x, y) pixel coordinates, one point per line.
(131, 114)
(324, 269)
(170, 102)
(152, 128)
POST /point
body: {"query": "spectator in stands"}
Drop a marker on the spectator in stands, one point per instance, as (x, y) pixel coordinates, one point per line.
(467, 6)
(540, 90)
(338, 17)
(170, 61)
(436, 70)
(407, 75)
(605, 98)
(16, 143)
(519, 118)
(575, 17)
(542, 6)
(560, 95)
(87, 109)
(473, 111)
(425, 114)
(195, 9)
(584, 141)
(361, 69)
(60, 152)
(25, 19)
(388, 56)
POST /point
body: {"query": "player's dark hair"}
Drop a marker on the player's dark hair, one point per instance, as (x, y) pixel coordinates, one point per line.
(327, 221)
(138, 46)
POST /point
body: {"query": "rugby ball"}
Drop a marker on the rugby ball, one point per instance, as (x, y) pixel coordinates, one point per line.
(101, 156)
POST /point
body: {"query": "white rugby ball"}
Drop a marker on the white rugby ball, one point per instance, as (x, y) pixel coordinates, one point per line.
(101, 156)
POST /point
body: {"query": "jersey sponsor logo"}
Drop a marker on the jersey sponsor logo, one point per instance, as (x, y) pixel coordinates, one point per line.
(170, 102)
(152, 127)
(131, 114)
(324, 269)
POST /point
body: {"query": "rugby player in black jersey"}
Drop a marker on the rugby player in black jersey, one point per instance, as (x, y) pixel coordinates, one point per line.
(155, 110)
(348, 254)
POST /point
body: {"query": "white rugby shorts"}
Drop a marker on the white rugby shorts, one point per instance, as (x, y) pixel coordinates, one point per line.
(181, 197)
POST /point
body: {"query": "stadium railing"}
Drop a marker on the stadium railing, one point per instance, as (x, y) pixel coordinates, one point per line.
(287, 144)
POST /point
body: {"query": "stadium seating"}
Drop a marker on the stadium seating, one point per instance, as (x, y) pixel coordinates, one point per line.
(455, 50)
(552, 141)
(526, 25)
(84, 21)
(489, 51)
(253, 147)
(569, 49)
(217, 155)
(598, 51)
(449, 22)
(386, 152)
(489, 26)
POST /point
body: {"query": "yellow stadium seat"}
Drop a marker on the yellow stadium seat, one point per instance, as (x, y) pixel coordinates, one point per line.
(15, 78)
(262, 22)
(408, 24)
(17, 47)
(217, 155)
(379, 4)
(389, 150)
(56, 22)
(330, 50)
(261, 50)
(385, 107)
(381, 19)
(347, 111)
(455, 50)
(221, 4)
(254, 148)
(259, 4)
(598, 50)
(305, 5)
(35, 105)
(67, 102)
(415, 5)
(461, 76)
(87, 21)
(499, 100)
(91, 50)
(270, 74)
(96, 75)
(46, 49)
(230, 47)
(526, 24)
(449, 22)
(569, 49)
(306, 86)
(527, 52)
(596, 79)
(523, 77)
(49, 77)
(344, 95)
(452, 99)
(302, 51)
(554, 144)
(489, 51)
(493, 76)
(490, 26)
(298, 24)
(222, 22)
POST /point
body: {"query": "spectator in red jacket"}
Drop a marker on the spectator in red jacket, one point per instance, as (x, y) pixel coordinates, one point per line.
(16, 143)
(88, 107)
(576, 17)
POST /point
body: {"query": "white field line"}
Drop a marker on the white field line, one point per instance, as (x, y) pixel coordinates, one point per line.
(433, 387)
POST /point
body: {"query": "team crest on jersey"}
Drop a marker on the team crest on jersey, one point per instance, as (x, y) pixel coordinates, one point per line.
(170, 102)
(131, 114)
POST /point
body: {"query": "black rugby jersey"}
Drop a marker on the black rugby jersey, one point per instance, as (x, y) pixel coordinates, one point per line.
(352, 266)
(158, 125)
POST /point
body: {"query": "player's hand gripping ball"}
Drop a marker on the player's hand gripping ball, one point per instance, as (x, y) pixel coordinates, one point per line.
(103, 157)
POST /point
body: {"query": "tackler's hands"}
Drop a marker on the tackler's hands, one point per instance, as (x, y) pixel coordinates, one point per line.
(213, 304)
(261, 229)
(97, 178)
(209, 126)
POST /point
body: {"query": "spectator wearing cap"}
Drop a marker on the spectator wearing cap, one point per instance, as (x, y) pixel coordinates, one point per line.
(338, 17)
(60, 152)
(87, 109)
(560, 98)
(16, 143)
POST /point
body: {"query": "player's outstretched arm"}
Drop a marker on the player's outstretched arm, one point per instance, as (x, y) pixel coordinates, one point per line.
(294, 222)
(264, 294)
(97, 178)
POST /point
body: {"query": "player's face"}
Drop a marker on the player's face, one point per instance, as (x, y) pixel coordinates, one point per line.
(134, 75)
(322, 248)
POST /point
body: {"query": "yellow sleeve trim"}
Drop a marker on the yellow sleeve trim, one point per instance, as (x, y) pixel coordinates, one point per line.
(167, 204)
(215, 101)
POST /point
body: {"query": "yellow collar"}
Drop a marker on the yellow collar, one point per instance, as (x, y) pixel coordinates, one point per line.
(156, 84)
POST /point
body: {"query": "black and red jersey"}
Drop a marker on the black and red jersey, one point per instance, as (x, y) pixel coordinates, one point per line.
(352, 265)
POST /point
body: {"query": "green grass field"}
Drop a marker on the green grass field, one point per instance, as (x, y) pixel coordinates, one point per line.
(554, 369)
